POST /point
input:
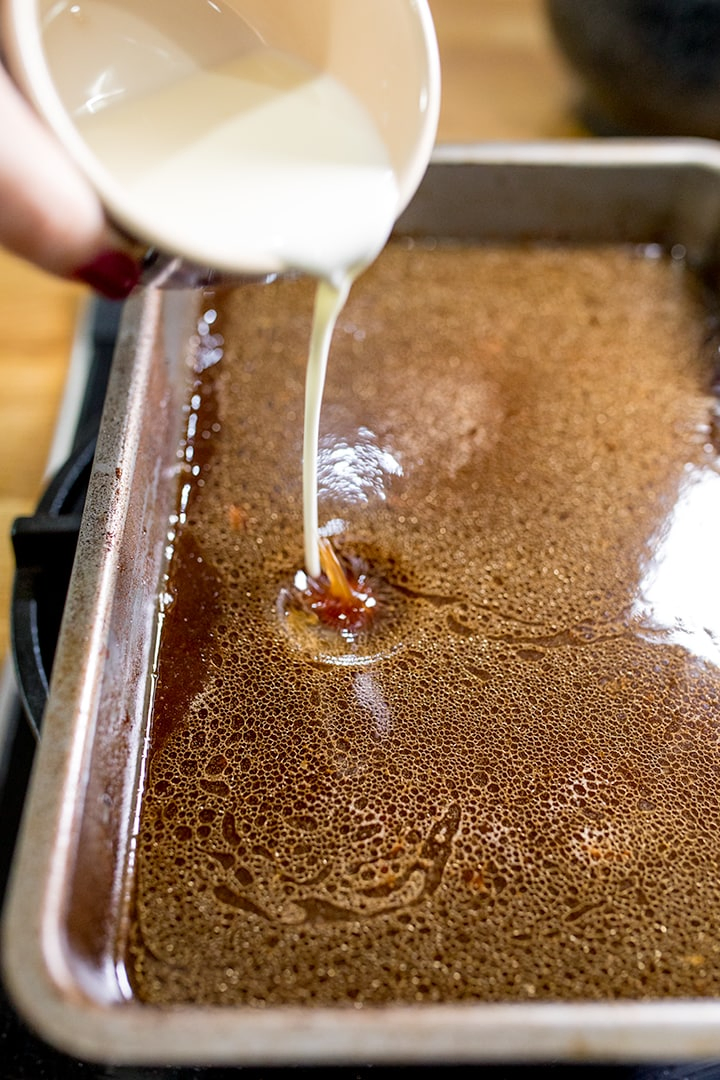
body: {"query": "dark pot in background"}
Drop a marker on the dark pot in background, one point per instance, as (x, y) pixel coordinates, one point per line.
(647, 67)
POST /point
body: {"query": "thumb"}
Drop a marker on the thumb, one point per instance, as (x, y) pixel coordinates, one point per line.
(49, 213)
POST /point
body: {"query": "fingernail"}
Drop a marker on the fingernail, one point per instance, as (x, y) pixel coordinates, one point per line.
(112, 273)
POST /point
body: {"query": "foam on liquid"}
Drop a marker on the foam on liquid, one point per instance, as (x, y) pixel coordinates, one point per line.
(516, 795)
(284, 168)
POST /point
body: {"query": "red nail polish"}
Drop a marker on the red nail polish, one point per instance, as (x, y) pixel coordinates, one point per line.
(112, 273)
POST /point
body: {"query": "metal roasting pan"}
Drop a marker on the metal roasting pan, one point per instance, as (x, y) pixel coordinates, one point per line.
(62, 917)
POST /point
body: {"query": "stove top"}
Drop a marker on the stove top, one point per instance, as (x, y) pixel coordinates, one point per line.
(44, 548)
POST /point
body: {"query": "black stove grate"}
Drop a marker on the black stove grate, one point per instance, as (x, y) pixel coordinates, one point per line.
(44, 547)
(45, 543)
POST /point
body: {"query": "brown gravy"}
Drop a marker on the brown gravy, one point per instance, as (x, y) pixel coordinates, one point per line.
(509, 788)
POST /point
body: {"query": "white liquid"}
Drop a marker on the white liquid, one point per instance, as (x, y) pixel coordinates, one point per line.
(329, 302)
(261, 164)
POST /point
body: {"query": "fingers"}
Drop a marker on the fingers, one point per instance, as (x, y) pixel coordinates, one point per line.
(49, 213)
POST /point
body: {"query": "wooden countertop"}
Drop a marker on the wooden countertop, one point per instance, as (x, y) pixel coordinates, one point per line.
(501, 80)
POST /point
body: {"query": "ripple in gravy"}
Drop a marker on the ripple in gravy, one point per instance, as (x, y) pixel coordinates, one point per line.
(509, 786)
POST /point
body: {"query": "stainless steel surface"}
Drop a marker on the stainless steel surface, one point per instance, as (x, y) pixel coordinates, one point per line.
(170, 272)
(62, 922)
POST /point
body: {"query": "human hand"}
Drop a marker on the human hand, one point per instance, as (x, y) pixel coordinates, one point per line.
(49, 213)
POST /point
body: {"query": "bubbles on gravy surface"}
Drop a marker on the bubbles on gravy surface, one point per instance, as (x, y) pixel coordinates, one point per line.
(509, 789)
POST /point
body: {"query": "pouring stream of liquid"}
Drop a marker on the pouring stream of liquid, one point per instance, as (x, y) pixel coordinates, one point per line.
(288, 168)
(329, 302)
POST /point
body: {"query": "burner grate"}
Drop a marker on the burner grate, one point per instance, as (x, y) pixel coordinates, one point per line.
(45, 543)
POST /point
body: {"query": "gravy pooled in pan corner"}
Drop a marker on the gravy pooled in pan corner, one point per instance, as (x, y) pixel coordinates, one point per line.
(506, 785)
